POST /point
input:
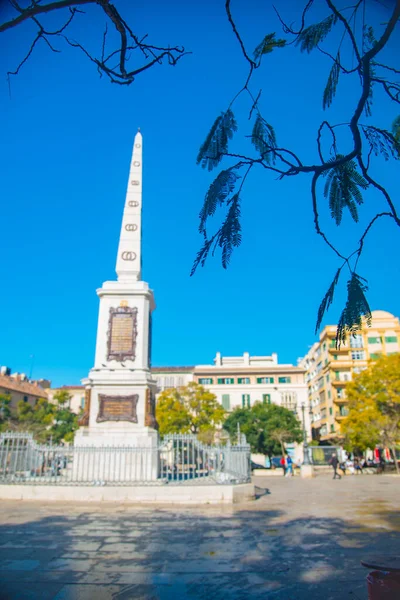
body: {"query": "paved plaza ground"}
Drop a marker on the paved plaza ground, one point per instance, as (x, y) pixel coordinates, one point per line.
(300, 540)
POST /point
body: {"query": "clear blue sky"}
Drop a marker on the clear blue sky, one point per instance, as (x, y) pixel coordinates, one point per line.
(65, 151)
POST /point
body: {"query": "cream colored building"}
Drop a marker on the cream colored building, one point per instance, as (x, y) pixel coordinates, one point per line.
(241, 381)
(328, 368)
(172, 377)
(77, 396)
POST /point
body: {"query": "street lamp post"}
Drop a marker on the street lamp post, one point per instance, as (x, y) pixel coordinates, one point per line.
(306, 457)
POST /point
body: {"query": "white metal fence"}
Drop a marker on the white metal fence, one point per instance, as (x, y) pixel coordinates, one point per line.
(177, 459)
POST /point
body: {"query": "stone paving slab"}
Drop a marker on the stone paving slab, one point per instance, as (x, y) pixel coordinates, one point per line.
(301, 540)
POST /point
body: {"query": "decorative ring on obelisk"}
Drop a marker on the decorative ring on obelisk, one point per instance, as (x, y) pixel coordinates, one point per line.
(138, 145)
(136, 163)
(131, 227)
(133, 203)
(128, 255)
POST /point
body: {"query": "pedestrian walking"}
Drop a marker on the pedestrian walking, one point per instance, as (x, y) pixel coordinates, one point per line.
(283, 465)
(334, 462)
(289, 466)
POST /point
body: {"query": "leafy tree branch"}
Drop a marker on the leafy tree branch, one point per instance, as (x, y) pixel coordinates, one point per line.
(344, 172)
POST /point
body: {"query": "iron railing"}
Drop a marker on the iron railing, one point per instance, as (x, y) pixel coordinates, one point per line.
(177, 459)
(321, 455)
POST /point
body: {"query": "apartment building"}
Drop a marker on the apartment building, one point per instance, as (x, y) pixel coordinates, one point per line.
(172, 377)
(328, 368)
(240, 381)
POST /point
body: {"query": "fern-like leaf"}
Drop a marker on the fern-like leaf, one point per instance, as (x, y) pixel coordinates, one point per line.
(313, 35)
(382, 142)
(356, 307)
(217, 194)
(264, 140)
(231, 231)
(327, 300)
(342, 187)
(216, 142)
(396, 129)
(201, 256)
(331, 85)
(267, 45)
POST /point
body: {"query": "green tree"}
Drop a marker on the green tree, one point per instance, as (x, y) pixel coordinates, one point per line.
(374, 406)
(62, 398)
(5, 410)
(189, 409)
(46, 421)
(267, 427)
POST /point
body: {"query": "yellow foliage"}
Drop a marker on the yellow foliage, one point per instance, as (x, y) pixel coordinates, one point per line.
(374, 405)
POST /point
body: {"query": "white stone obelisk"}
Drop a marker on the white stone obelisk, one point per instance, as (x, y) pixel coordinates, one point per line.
(120, 392)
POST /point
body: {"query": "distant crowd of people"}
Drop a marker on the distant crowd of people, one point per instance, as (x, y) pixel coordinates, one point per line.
(354, 466)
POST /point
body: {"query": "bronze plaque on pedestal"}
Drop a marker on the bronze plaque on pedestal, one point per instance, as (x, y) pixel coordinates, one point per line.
(117, 408)
(122, 331)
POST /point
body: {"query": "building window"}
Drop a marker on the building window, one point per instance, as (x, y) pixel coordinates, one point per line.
(169, 382)
(325, 362)
(329, 394)
(375, 355)
(327, 378)
(206, 381)
(374, 340)
(332, 344)
(332, 429)
(324, 346)
(289, 400)
(391, 339)
(25, 398)
(226, 401)
(180, 381)
(360, 355)
(82, 402)
(265, 380)
(330, 411)
(266, 398)
(226, 380)
(284, 380)
(245, 400)
(356, 341)
(244, 380)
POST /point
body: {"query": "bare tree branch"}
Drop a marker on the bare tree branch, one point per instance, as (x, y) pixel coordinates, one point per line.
(128, 40)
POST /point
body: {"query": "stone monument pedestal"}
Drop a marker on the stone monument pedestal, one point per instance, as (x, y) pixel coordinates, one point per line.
(118, 438)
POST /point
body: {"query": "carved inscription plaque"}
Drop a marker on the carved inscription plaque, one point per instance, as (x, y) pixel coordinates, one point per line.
(117, 408)
(122, 333)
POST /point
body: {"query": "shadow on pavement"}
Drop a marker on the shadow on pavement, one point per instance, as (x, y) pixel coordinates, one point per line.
(209, 553)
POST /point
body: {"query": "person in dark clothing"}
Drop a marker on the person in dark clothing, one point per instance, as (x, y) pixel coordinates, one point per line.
(334, 462)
